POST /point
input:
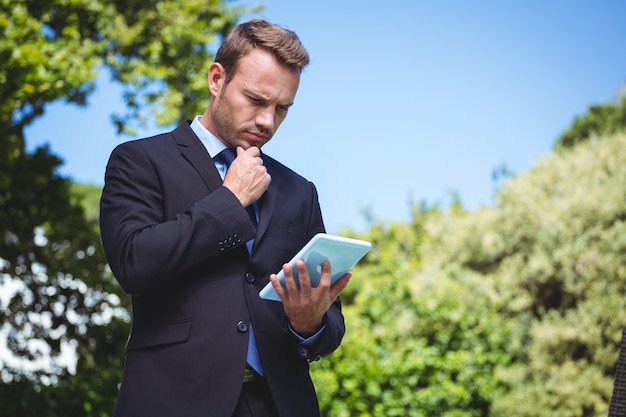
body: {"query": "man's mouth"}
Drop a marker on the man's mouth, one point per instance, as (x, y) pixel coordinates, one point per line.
(257, 136)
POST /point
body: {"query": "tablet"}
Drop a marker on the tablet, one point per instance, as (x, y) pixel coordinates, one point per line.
(342, 253)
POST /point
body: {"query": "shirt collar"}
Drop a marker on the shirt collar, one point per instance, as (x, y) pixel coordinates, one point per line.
(212, 144)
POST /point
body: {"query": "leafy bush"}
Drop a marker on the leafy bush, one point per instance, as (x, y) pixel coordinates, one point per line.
(515, 309)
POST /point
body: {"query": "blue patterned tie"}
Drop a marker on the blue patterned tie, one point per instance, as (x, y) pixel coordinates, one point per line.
(226, 157)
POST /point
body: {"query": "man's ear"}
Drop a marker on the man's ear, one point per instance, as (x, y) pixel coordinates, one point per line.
(216, 78)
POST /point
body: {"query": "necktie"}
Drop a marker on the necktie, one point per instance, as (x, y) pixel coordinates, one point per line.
(226, 157)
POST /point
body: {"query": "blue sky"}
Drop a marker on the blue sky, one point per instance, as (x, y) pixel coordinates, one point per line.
(407, 101)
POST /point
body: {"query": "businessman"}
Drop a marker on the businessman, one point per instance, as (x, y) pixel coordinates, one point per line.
(195, 222)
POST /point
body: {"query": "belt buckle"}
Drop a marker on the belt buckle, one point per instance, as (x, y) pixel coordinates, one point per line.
(248, 375)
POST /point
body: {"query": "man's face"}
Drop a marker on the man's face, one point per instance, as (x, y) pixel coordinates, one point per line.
(248, 110)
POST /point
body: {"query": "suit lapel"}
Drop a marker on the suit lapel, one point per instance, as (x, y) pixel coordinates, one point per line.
(194, 151)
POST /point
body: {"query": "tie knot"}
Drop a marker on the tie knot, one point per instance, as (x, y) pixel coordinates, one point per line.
(226, 157)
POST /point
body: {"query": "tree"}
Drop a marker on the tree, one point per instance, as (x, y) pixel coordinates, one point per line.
(600, 120)
(63, 300)
(561, 239)
(62, 295)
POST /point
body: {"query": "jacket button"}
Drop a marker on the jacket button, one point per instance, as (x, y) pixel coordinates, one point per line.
(242, 327)
(250, 278)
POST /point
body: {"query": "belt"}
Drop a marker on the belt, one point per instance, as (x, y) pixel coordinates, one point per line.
(249, 375)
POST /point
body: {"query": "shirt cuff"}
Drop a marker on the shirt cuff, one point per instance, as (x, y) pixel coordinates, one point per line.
(309, 340)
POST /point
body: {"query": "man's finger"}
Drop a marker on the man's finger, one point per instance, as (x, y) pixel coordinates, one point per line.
(290, 281)
(278, 287)
(339, 285)
(325, 276)
(304, 280)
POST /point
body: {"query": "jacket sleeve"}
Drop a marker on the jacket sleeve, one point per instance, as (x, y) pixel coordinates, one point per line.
(327, 340)
(144, 248)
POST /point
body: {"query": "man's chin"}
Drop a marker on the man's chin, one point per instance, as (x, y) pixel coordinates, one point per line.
(248, 144)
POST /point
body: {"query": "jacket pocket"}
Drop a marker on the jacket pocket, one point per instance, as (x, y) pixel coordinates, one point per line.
(177, 332)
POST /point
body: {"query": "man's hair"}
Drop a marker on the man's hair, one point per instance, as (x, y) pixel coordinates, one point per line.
(283, 43)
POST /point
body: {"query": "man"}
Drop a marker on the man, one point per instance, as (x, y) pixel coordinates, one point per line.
(193, 237)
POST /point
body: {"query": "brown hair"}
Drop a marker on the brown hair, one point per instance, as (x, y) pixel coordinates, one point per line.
(283, 43)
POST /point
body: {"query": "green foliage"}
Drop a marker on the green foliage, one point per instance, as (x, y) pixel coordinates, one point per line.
(62, 298)
(159, 51)
(87, 196)
(423, 337)
(515, 309)
(567, 281)
(600, 120)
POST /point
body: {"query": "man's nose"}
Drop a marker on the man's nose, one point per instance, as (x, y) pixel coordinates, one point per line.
(265, 118)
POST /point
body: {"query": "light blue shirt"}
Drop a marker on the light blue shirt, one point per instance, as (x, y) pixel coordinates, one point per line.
(212, 144)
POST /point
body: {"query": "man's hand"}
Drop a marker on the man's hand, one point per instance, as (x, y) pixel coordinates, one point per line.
(247, 177)
(304, 305)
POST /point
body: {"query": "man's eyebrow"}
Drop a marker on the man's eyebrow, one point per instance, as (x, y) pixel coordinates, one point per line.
(254, 94)
(259, 96)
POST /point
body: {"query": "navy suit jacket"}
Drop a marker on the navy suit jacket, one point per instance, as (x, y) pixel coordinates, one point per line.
(175, 238)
